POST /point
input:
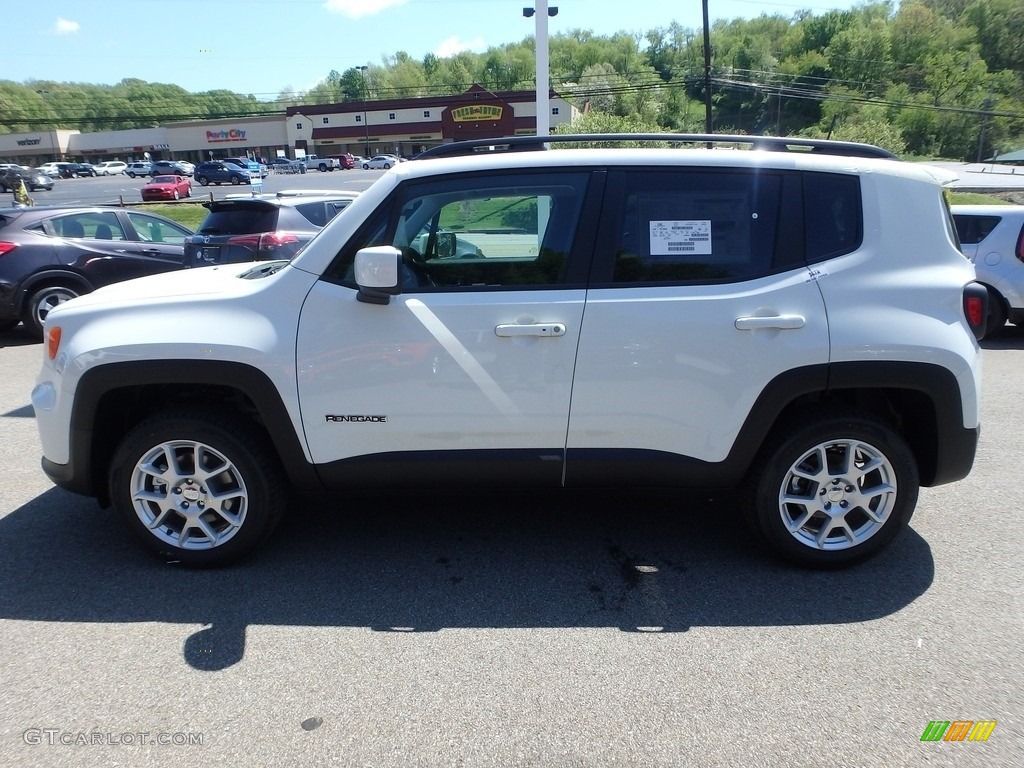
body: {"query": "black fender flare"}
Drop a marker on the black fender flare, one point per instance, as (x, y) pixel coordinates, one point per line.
(85, 471)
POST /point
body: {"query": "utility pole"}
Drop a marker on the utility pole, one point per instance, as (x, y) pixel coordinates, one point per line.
(540, 13)
(708, 126)
(986, 107)
(366, 125)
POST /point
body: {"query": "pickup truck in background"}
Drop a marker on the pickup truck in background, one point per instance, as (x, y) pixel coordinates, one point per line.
(322, 163)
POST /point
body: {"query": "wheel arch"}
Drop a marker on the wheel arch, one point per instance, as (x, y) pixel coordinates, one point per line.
(106, 408)
(45, 277)
(920, 401)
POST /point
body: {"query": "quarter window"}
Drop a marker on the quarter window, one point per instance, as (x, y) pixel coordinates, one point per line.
(973, 229)
(832, 215)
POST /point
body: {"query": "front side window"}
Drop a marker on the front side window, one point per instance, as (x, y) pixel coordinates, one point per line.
(490, 232)
(151, 230)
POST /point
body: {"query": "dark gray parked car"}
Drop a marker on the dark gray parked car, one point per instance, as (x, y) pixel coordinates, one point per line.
(50, 254)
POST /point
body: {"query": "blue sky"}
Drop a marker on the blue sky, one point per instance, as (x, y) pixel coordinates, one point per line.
(265, 46)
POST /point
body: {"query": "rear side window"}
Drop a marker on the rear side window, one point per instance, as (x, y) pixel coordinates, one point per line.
(91, 225)
(239, 220)
(697, 226)
(973, 229)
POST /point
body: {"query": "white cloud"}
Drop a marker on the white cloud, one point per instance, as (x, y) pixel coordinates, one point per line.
(356, 9)
(65, 27)
(453, 45)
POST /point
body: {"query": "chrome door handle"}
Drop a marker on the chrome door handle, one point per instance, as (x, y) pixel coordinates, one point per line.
(530, 329)
(783, 322)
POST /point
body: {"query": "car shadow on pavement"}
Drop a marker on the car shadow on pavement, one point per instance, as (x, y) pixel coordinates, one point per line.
(1010, 337)
(19, 336)
(647, 562)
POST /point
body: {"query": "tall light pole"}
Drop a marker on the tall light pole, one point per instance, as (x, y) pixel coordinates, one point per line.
(708, 124)
(540, 13)
(366, 124)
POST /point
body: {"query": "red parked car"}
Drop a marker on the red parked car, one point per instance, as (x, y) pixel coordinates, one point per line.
(167, 188)
(347, 161)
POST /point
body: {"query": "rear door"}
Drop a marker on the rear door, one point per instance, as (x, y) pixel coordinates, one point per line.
(466, 377)
(700, 299)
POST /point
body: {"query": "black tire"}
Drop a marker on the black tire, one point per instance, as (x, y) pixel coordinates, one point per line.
(322, 167)
(174, 511)
(366, 166)
(42, 300)
(203, 181)
(176, 195)
(791, 510)
(131, 174)
(236, 180)
(995, 323)
(387, 166)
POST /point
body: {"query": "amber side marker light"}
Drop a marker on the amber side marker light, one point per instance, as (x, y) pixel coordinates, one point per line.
(53, 342)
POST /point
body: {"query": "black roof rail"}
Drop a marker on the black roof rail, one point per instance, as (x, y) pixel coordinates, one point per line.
(770, 143)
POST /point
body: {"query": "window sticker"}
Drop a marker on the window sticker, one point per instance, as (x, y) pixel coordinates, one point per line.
(672, 238)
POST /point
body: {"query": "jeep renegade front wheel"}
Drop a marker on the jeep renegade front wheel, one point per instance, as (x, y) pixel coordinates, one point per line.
(197, 487)
(832, 490)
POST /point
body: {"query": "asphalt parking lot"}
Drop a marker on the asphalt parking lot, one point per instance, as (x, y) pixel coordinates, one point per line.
(628, 629)
(114, 190)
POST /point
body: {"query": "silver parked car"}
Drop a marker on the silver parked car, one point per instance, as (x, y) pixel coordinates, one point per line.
(992, 236)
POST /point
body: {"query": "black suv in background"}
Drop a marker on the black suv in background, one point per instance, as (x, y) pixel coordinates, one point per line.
(262, 227)
(219, 172)
(34, 180)
(72, 170)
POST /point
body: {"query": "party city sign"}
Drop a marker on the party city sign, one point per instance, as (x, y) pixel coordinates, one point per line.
(232, 134)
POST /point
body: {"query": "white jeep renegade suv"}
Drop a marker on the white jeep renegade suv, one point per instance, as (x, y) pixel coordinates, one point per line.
(794, 320)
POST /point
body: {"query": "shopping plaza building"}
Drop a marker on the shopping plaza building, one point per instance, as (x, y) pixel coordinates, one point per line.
(398, 126)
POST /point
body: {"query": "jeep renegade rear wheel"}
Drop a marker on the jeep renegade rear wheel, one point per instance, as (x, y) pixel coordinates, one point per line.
(197, 487)
(833, 490)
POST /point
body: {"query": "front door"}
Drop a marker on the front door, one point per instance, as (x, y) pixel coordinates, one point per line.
(467, 375)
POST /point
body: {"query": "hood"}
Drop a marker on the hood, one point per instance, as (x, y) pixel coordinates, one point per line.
(224, 280)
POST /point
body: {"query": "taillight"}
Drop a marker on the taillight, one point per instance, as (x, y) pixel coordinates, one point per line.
(248, 241)
(277, 239)
(7, 247)
(976, 308)
(264, 241)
